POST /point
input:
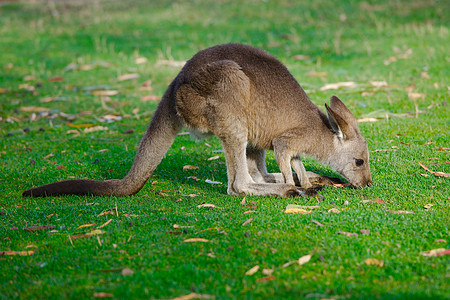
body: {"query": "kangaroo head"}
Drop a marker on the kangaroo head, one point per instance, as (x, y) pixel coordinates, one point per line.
(350, 157)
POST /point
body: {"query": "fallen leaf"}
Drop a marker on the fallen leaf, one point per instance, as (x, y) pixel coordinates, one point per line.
(140, 60)
(195, 240)
(189, 167)
(334, 210)
(400, 211)
(151, 98)
(316, 74)
(415, 96)
(27, 87)
(3, 91)
(436, 252)
(73, 131)
(207, 205)
(247, 222)
(20, 253)
(95, 232)
(374, 262)
(193, 296)
(440, 174)
(103, 295)
(267, 271)
(378, 84)
(335, 86)
(243, 200)
(95, 128)
(289, 263)
(162, 192)
(193, 177)
(85, 225)
(373, 201)
(126, 272)
(171, 63)
(252, 270)
(110, 118)
(424, 75)
(55, 79)
(104, 93)
(61, 167)
(111, 211)
(365, 231)
(347, 233)
(87, 67)
(365, 94)
(304, 259)
(89, 234)
(212, 182)
(335, 184)
(250, 212)
(317, 223)
(191, 195)
(129, 76)
(175, 232)
(49, 155)
(265, 279)
(80, 125)
(38, 228)
(34, 109)
(441, 241)
(428, 206)
(176, 226)
(104, 224)
(301, 57)
(214, 157)
(297, 211)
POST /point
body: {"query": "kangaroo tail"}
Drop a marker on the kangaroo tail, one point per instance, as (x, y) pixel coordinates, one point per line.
(157, 139)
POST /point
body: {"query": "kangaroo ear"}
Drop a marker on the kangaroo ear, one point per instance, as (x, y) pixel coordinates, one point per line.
(342, 121)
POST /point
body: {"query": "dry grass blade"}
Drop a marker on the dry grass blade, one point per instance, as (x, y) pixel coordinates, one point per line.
(104, 224)
(440, 174)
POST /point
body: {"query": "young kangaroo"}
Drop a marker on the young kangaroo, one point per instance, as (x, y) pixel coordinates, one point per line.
(251, 102)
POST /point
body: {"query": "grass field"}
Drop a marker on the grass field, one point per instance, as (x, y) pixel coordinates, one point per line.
(79, 82)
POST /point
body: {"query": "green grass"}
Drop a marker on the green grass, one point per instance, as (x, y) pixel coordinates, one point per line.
(350, 42)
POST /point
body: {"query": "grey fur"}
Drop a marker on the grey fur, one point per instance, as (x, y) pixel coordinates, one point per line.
(251, 102)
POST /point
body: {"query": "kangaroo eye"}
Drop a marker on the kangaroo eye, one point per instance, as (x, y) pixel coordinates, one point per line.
(359, 162)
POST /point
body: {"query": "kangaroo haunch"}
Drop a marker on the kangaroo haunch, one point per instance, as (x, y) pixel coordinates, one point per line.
(251, 102)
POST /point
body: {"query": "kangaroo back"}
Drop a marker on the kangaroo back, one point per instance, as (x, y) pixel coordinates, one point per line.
(157, 139)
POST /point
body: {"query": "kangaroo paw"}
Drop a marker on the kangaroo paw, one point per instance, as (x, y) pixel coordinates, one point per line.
(312, 193)
(292, 193)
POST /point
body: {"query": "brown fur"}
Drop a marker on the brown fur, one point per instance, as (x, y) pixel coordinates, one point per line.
(251, 102)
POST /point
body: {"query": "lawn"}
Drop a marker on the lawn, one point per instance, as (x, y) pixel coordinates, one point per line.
(79, 82)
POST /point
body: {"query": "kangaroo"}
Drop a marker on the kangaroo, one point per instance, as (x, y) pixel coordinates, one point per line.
(252, 103)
